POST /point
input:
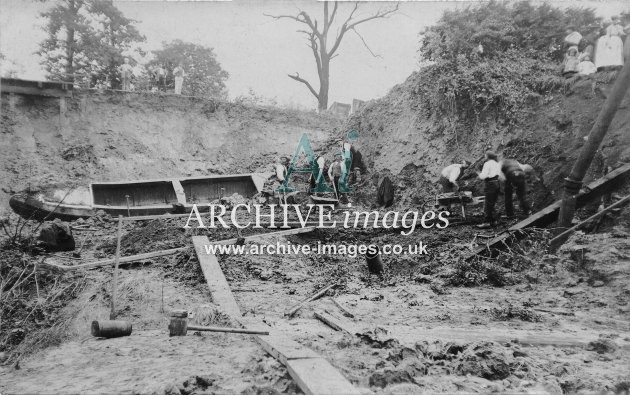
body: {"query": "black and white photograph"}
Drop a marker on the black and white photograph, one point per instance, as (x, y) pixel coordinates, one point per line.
(314, 197)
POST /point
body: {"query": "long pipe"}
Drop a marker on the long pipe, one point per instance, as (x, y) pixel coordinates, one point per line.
(573, 182)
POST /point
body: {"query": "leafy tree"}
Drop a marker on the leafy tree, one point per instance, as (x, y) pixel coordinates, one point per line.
(519, 63)
(85, 39)
(116, 35)
(204, 74)
(499, 26)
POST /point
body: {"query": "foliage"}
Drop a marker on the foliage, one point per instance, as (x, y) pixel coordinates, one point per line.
(254, 99)
(499, 26)
(116, 36)
(520, 61)
(204, 74)
(85, 41)
(468, 88)
(31, 300)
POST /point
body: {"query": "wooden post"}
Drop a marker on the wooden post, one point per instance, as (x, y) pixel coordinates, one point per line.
(112, 313)
(62, 106)
(12, 100)
(83, 104)
(573, 182)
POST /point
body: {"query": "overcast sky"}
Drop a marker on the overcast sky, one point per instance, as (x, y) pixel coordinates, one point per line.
(257, 51)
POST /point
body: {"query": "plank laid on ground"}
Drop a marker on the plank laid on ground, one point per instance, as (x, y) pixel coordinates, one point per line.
(219, 288)
(317, 376)
(337, 323)
(124, 259)
(523, 337)
(345, 311)
(155, 254)
(226, 330)
(321, 378)
(291, 312)
(549, 214)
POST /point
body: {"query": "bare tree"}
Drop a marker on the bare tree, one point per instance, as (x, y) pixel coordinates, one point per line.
(317, 40)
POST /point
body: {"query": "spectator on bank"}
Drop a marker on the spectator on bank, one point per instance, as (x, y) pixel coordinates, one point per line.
(573, 37)
(178, 73)
(571, 62)
(609, 51)
(586, 67)
(126, 73)
(160, 74)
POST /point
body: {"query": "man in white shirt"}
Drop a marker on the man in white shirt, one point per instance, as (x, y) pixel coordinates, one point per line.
(126, 72)
(450, 174)
(490, 173)
(179, 74)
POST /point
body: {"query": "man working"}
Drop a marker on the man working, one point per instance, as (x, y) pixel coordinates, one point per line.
(450, 175)
(490, 173)
(515, 179)
(334, 174)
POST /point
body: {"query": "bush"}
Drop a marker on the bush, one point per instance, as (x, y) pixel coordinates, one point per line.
(499, 26)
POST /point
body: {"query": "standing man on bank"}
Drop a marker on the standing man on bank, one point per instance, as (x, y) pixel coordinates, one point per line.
(126, 72)
(178, 73)
(490, 174)
(516, 179)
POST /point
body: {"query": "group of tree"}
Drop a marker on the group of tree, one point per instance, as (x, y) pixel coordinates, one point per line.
(492, 57)
(499, 26)
(87, 40)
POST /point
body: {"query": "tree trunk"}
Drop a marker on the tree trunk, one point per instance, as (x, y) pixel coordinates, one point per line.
(69, 56)
(70, 43)
(324, 84)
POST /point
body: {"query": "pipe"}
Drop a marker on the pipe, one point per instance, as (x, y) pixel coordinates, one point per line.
(573, 182)
(374, 262)
(109, 329)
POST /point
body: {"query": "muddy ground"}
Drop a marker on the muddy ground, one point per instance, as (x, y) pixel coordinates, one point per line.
(525, 322)
(426, 325)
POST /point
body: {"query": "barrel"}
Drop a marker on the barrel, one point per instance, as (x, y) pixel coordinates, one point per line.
(109, 329)
(374, 262)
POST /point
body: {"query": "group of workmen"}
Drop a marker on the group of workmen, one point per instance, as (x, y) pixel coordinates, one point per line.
(494, 172)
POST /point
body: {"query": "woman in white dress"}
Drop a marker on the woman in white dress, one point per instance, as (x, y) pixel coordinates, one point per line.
(609, 54)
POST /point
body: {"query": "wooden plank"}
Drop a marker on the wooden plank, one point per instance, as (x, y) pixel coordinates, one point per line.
(603, 185)
(291, 312)
(226, 330)
(523, 337)
(316, 376)
(112, 313)
(124, 259)
(336, 322)
(283, 348)
(155, 254)
(345, 311)
(568, 232)
(549, 214)
(33, 91)
(219, 288)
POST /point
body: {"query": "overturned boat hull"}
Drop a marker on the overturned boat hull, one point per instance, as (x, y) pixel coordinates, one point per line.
(138, 198)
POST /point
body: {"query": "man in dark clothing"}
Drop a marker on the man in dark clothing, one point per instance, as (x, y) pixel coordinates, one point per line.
(515, 179)
(490, 174)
